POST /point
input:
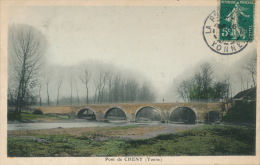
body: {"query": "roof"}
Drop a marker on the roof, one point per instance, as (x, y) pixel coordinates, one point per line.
(249, 94)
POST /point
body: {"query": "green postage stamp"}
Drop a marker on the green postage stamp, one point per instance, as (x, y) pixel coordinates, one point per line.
(236, 18)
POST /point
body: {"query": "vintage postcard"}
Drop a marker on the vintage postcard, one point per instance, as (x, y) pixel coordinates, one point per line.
(129, 82)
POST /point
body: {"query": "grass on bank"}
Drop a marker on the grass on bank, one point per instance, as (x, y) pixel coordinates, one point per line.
(204, 140)
(27, 115)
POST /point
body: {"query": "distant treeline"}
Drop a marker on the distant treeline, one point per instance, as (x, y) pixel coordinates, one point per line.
(204, 86)
(87, 85)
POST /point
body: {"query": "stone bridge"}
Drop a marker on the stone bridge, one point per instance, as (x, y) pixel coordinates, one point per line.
(201, 112)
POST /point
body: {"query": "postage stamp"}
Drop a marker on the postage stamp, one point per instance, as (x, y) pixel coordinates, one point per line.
(236, 20)
(210, 35)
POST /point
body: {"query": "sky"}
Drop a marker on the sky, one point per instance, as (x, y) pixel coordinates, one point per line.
(160, 43)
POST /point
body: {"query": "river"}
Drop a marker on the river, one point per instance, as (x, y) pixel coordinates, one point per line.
(70, 124)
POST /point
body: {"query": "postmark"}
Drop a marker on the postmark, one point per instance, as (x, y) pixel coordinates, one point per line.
(236, 19)
(210, 35)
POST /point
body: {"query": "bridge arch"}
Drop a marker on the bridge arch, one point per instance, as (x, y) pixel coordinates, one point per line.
(143, 112)
(115, 113)
(183, 114)
(87, 113)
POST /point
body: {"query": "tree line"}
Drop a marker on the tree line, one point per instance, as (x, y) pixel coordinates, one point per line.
(100, 83)
(202, 86)
(27, 78)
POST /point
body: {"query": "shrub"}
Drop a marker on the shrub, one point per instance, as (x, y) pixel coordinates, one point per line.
(37, 112)
(165, 137)
(242, 112)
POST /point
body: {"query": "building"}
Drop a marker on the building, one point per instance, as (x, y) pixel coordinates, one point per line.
(246, 95)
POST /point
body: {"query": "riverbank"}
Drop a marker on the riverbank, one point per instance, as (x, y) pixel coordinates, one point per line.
(29, 117)
(158, 140)
(136, 131)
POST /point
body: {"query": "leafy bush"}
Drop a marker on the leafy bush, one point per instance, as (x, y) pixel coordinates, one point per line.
(165, 136)
(10, 116)
(242, 112)
(37, 112)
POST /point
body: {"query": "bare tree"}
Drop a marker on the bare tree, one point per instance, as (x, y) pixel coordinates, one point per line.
(207, 74)
(203, 79)
(59, 83)
(250, 67)
(47, 83)
(207, 78)
(109, 82)
(131, 89)
(242, 80)
(100, 82)
(185, 89)
(39, 93)
(116, 87)
(104, 77)
(11, 99)
(26, 47)
(71, 85)
(77, 91)
(97, 83)
(146, 93)
(122, 89)
(85, 78)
